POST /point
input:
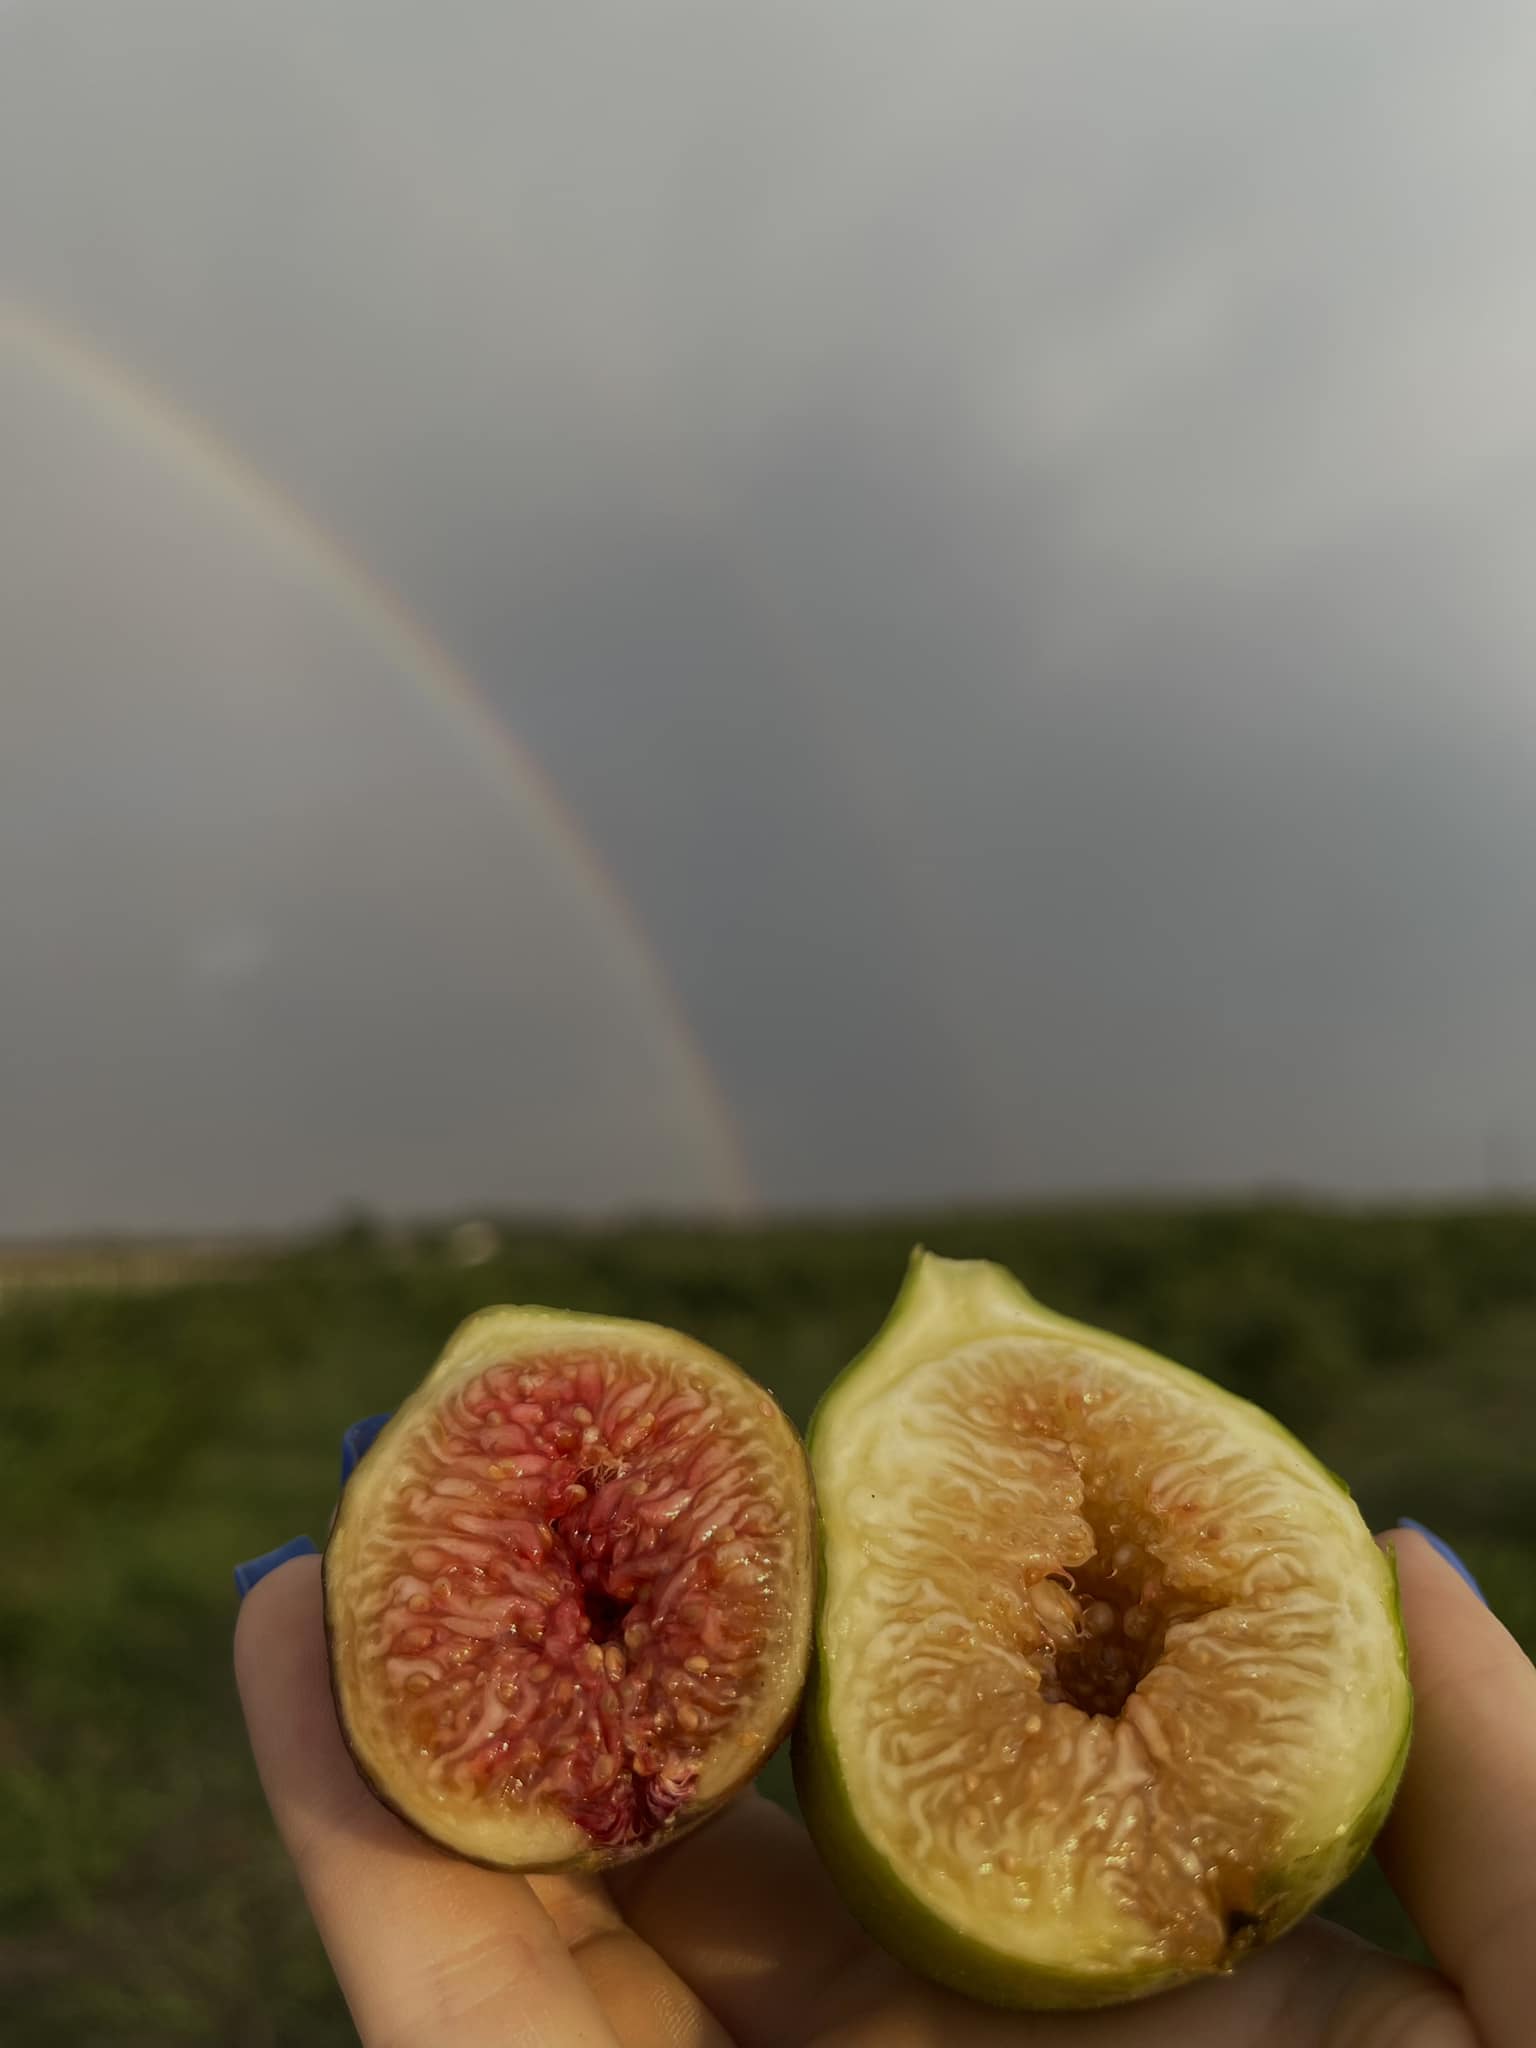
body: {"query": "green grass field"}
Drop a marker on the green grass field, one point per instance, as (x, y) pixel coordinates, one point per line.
(152, 1438)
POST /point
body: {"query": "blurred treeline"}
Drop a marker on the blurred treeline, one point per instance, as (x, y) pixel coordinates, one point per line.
(153, 1436)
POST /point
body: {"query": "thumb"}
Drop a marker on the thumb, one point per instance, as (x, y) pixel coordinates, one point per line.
(428, 1950)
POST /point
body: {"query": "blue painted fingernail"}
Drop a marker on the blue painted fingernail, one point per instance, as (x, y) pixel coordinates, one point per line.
(252, 1573)
(1437, 1543)
(356, 1441)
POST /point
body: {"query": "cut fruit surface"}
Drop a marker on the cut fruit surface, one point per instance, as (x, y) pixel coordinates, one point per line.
(1109, 1682)
(568, 1591)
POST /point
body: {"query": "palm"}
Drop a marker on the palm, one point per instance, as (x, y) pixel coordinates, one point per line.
(736, 1937)
(744, 1916)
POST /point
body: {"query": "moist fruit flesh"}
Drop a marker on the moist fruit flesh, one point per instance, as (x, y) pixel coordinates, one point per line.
(1109, 1684)
(568, 1590)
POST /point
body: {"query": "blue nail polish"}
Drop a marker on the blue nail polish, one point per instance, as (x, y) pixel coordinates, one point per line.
(1438, 1544)
(253, 1572)
(356, 1441)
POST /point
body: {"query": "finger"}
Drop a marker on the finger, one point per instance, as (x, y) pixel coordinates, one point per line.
(427, 1949)
(647, 2003)
(747, 1916)
(1460, 1845)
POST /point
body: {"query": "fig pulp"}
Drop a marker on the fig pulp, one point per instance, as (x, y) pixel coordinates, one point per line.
(1109, 1683)
(568, 1591)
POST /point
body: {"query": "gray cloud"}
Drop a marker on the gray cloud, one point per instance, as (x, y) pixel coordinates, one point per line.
(1015, 544)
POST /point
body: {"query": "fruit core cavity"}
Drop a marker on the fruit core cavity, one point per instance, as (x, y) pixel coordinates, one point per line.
(1103, 1623)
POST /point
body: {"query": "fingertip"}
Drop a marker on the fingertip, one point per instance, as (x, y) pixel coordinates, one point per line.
(357, 1440)
(250, 1574)
(1457, 1845)
(279, 1598)
(282, 1677)
(1443, 1550)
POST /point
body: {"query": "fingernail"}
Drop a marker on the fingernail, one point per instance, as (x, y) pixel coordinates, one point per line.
(1438, 1543)
(251, 1574)
(356, 1441)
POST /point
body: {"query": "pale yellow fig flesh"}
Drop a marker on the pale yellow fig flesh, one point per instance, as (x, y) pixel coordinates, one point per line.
(568, 1591)
(1109, 1683)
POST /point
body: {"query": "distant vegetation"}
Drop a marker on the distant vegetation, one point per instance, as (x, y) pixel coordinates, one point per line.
(155, 1433)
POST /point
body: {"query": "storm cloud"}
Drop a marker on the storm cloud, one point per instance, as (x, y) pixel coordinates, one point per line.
(1012, 533)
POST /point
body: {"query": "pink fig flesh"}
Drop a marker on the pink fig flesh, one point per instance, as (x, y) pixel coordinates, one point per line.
(568, 1592)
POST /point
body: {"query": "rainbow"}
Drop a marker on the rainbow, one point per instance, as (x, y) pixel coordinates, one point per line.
(179, 438)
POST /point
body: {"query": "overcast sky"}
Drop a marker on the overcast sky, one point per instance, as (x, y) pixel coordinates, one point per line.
(1012, 529)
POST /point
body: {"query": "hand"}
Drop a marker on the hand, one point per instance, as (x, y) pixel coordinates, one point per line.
(736, 1936)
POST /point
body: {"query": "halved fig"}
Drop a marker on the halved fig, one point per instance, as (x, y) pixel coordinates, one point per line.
(568, 1592)
(1109, 1683)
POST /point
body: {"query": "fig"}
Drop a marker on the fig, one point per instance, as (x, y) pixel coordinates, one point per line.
(1109, 1683)
(568, 1591)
